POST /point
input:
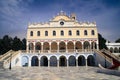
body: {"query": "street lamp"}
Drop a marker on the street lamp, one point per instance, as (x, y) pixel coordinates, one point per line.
(10, 62)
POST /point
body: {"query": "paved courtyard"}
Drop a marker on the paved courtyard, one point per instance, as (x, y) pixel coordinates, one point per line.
(61, 73)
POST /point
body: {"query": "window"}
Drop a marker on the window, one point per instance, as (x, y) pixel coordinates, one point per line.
(38, 33)
(46, 33)
(77, 32)
(31, 33)
(62, 33)
(70, 32)
(92, 32)
(85, 32)
(54, 33)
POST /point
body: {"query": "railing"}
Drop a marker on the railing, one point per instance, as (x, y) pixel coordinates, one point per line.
(104, 56)
(110, 54)
(58, 51)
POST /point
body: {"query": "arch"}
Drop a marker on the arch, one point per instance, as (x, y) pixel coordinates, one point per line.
(115, 50)
(78, 46)
(25, 61)
(86, 45)
(62, 46)
(111, 50)
(54, 47)
(45, 47)
(90, 60)
(119, 49)
(70, 46)
(81, 60)
(72, 61)
(31, 46)
(93, 45)
(38, 46)
(34, 61)
(53, 61)
(62, 61)
(44, 61)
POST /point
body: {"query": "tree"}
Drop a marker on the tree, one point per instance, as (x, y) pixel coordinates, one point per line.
(24, 44)
(118, 40)
(102, 42)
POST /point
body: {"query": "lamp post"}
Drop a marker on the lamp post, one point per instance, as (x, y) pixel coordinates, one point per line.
(10, 62)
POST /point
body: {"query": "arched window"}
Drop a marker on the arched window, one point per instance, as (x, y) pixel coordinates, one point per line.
(70, 32)
(85, 32)
(31, 33)
(46, 33)
(62, 33)
(92, 32)
(38, 33)
(54, 33)
(77, 32)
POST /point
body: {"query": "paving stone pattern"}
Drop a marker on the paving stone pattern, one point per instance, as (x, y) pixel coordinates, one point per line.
(61, 73)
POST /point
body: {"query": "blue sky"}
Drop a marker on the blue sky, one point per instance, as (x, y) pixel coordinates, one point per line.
(16, 14)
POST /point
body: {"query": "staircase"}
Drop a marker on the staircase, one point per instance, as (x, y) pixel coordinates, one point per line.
(109, 57)
(5, 58)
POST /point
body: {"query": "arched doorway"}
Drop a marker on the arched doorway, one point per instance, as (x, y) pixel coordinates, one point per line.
(54, 47)
(31, 46)
(53, 61)
(86, 46)
(78, 46)
(81, 61)
(34, 61)
(115, 50)
(38, 46)
(46, 47)
(93, 45)
(111, 50)
(90, 61)
(72, 61)
(62, 47)
(44, 61)
(62, 61)
(25, 61)
(70, 46)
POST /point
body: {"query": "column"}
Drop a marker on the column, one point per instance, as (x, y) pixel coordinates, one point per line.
(27, 46)
(39, 63)
(34, 47)
(42, 47)
(58, 47)
(57, 63)
(76, 62)
(29, 63)
(74, 46)
(50, 47)
(66, 46)
(67, 63)
(82, 47)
